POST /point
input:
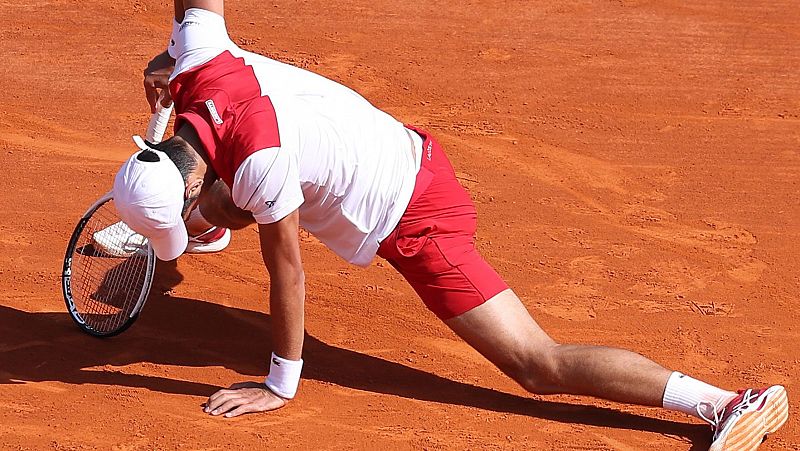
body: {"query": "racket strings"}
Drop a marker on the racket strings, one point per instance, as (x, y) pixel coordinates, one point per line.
(110, 266)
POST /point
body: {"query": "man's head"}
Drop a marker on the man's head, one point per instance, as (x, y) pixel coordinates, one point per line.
(155, 190)
(186, 160)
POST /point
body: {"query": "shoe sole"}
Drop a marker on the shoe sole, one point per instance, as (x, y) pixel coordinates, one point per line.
(114, 241)
(752, 428)
(194, 247)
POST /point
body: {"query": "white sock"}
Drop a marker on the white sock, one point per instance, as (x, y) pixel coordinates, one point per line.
(684, 393)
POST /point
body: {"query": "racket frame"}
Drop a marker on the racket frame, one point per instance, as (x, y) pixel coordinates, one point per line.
(66, 277)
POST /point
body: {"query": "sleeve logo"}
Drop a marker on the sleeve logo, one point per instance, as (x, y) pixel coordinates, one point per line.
(212, 109)
(188, 23)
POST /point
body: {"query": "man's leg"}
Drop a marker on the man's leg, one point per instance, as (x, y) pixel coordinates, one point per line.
(503, 331)
(433, 247)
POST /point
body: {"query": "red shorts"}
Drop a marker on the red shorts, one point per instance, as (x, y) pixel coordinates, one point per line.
(433, 246)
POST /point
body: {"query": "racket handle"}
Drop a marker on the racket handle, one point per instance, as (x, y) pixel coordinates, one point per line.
(158, 123)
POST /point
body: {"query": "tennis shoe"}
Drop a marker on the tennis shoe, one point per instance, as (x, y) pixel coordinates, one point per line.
(744, 422)
(212, 240)
(118, 240)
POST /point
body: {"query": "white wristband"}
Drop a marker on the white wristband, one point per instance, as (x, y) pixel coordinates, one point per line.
(284, 376)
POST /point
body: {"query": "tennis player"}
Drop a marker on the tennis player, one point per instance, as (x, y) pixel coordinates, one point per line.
(259, 141)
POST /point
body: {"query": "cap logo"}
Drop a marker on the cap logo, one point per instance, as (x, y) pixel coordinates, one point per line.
(212, 109)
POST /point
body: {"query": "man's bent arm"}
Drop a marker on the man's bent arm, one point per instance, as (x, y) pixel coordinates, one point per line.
(280, 248)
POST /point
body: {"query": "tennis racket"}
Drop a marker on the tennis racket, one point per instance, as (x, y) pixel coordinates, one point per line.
(108, 268)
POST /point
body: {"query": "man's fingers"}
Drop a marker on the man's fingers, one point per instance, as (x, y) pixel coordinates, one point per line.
(229, 404)
(151, 93)
(215, 407)
(244, 408)
(217, 399)
(156, 80)
(243, 398)
(156, 84)
(166, 98)
(219, 393)
(257, 403)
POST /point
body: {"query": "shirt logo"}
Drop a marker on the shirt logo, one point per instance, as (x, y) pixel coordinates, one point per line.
(187, 23)
(429, 150)
(270, 203)
(212, 109)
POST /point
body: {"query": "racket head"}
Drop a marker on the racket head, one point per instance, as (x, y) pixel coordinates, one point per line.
(106, 276)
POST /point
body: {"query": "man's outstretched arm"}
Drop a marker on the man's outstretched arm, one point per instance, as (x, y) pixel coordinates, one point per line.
(280, 248)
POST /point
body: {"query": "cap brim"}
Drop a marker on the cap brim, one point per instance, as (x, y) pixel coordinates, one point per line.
(171, 242)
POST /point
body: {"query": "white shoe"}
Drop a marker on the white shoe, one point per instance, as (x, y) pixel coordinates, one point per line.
(118, 240)
(745, 421)
(212, 240)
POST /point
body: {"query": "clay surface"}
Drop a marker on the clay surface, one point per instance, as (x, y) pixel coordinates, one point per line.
(635, 166)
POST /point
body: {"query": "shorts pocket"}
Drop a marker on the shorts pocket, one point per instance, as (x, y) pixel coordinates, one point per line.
(455, 249)
(410, 244)
(418, 254)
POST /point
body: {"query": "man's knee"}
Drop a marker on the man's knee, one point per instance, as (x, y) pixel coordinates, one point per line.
(539, 371)
(218, 208)
(225, 216)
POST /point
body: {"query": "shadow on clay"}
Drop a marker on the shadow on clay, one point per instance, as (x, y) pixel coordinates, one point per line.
(187, 332)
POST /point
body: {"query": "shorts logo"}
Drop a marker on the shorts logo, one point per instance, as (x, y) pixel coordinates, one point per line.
(429, 150)
(270, 203)
(212, 109)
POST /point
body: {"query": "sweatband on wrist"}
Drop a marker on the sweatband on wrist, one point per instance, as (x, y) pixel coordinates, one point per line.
(284, 376)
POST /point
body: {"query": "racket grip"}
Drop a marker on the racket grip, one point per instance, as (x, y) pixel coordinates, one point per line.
(158, 123)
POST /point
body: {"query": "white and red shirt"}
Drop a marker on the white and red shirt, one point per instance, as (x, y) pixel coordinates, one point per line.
(283, 138)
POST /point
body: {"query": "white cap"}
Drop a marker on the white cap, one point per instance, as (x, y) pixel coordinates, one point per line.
(149, 199)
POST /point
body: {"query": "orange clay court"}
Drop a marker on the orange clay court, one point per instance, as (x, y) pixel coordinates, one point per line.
(635, 166)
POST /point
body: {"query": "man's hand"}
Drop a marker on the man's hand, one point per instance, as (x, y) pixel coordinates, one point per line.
(244, 397)
(156, 80)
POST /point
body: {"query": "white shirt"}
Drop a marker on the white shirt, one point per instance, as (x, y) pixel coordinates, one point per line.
(348, 166)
